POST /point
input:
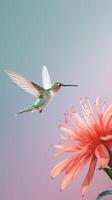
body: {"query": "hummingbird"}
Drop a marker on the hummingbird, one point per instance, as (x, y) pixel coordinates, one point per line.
(43, 95)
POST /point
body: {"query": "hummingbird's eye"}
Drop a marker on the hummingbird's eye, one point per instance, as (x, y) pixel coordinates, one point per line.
(59, 84)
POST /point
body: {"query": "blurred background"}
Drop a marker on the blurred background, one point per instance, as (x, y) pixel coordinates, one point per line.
(74, 40)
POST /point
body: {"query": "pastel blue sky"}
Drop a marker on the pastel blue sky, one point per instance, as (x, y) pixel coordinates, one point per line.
(74, 39)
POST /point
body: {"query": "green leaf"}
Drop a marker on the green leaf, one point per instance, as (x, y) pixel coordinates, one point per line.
(108, 171)
(105, 193)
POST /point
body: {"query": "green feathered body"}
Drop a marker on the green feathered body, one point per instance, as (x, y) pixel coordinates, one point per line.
(40, 103)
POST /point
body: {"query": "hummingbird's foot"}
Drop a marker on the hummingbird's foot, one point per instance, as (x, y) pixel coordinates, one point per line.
(40, 109)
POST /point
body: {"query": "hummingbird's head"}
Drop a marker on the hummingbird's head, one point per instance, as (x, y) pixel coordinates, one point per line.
(56, 86)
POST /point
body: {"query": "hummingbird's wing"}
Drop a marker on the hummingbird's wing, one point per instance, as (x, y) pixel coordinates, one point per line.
(46, 78)
(25, 84)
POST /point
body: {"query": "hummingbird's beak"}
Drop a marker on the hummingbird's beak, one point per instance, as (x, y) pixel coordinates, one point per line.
(69, 85)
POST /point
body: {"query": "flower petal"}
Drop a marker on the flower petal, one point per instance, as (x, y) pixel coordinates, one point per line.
(107, 113)
(67, 130)
(66, 148)
(89, 175)
(102, 155)
(73, 172)
(106, 138)
(107, 117)
(59, 168)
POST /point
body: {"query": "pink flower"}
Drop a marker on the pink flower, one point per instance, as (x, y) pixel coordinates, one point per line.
(88, 139)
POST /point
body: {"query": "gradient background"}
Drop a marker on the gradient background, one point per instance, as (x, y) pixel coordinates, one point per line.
(74, 39)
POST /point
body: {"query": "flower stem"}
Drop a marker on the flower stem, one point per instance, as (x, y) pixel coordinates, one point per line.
(105, 193)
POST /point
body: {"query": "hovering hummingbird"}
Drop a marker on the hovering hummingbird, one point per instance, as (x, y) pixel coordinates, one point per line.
(44, 94)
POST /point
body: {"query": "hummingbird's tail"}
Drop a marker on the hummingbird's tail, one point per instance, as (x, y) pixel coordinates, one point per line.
(26, 110)
(30, 109)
